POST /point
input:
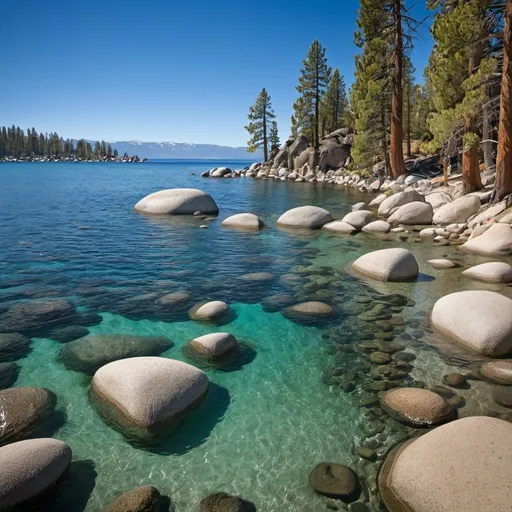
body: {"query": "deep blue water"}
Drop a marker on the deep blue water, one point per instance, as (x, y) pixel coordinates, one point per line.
(69, 230)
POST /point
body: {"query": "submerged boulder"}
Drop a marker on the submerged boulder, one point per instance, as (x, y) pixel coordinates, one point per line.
(417, 407)
(309, 311)
(496, 241)
(178, 201)
(214, 345)
(8, 374)
(68, 333)
(212, 311)
(334, 481)
(388, 265)
(417, 212)
(22, 411)
(36, 316)
(13, 346)
(92, 352)
(499, 372)
(305, 217)
(29, 468)
(141, 499)
(492, 272)
(247, 221)
(223, 502)
(144, 395)
(463, 466)
(457, 211)
(479, 319)
(340, 227)
(443, 263)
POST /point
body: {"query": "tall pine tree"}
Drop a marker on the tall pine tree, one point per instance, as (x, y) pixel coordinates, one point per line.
(334, 104)
(260, 115)
(313, 82)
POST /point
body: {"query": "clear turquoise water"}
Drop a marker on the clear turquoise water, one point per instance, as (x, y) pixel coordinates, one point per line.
(263, 427)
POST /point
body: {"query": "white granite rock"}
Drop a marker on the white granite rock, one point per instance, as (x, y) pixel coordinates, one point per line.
(177, 201)
(215, 345)
(493, 272)
(397, 200)
(247, 221)
(305, 217)
(457, 211)
(496, 241)
(388, 265)
(417, 212)
(340, 227)
(359, 219)
(377, 226)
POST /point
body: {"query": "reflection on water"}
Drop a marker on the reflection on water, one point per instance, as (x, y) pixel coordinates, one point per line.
(300, 394)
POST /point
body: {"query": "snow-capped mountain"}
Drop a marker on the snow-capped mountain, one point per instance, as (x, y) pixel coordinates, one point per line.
(155, 150)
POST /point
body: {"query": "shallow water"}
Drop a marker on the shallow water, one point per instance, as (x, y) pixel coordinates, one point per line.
(69, 230)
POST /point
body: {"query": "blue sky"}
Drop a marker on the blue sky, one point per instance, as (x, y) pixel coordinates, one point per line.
(162, 70)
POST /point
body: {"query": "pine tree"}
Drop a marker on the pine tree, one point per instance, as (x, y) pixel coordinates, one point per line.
(259, 116)
(109, 150)
(116, 154)
(334, 104)
(303, 118)
(273, 138)
(313, 82)
(103, 149)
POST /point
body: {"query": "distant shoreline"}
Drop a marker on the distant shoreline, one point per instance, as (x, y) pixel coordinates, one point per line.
(130, 160)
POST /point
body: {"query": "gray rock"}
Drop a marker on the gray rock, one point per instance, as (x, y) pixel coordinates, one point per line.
(223, 502)
(334, 481)
(13, 346)
(377, 227)
(388, 265)
(178, 201)
(211, 311)
(417, 212)
(305, 217)
(247, 221)
(340, 227)
(496, 241)
(492, 272)
(457, 211)
(359, 219)
(397, 200)
(68, 333)
(140, 499)
(8, 374)
(215, 345)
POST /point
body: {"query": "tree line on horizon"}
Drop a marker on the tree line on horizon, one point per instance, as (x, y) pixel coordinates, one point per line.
(16, 143)
(462, 110)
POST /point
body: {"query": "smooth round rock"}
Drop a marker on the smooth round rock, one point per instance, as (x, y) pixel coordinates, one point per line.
(359, 206)
(334, 481)
(174, 299)
(339, 227)
(442, 263)
(359, 219)
(479, 319)
(388, 265)
(22, 410)
(457, 211)
(496, 241)
(380, 358)
(209, 311)
(305, 217)
(247, 221)
(68, 333)
(455, 380)
(13, 346)
(178, 201)
(257, 276)
(417, 407)
(224, 502)
(377, 227)
(146, 394)
(215, 345)
(463, 466)
(141, 499)
(308, 311)
(492, 272)
(416, 212)
(499, 372)
(29, 468)
(8, 374)
(91, 353)
(394, 201)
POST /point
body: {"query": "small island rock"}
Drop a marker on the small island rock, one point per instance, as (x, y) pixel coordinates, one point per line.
(305, 217)
(388, 265)
(340, 227)
(247, 221)
(215, 345)
(178, 201)
(492, 272)
(212, 311)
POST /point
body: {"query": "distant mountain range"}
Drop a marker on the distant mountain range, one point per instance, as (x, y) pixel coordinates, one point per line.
(155, 150)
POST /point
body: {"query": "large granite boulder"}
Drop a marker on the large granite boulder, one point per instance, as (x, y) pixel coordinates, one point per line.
(247, 221)
(334, 481)
(457, 211)
(36, 316)
(492, 272)
(144, 395)
(377, 227)
(417, 407)
(479, 319)
(339, 227)
(388, 265)
(309, 157)
(212, 311)
(417, 212)
(295, 149)
(305, 217)
(463, 466)
(219, 172)
(334, 152)
(22, 411)
(141, 499)
(359, 219)
(437, 199)
(92, 352)
(178, 201)
(496, 241)
(29, 469)
(223, 502)
(388, 206)
(13, 346)
(215, 345)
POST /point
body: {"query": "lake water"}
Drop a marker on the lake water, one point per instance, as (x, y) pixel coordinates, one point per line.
(69, 230)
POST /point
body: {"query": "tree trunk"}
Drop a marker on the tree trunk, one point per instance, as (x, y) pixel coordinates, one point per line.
(265, 145)
(503, 185)
(397, 136)
(470, 167)
(486, 135)
(317, 97)
(384, 143)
